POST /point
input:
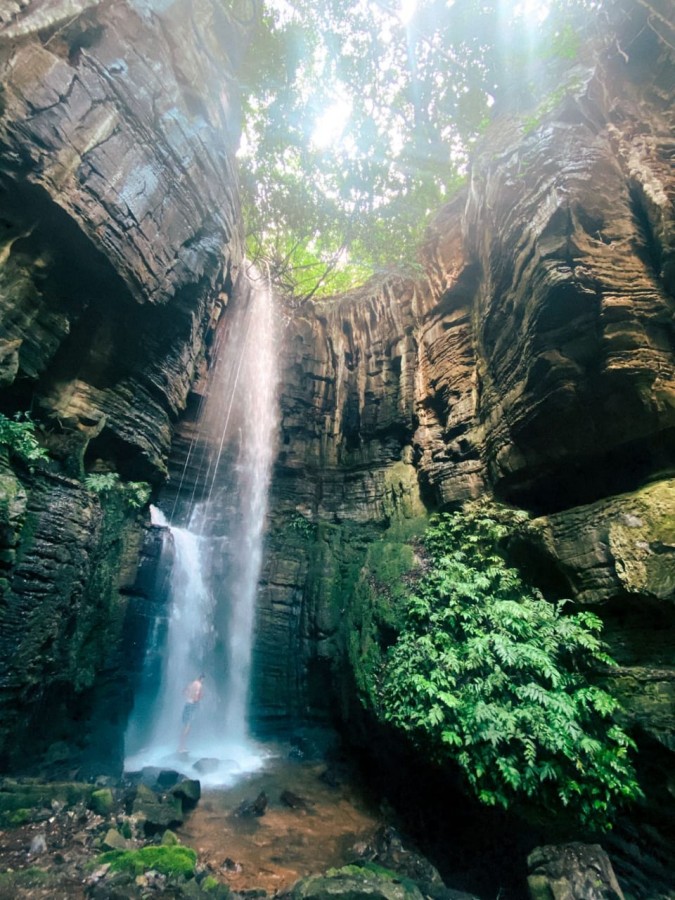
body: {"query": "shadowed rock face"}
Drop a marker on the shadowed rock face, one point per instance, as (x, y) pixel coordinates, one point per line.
(119, 231)
(574, 317)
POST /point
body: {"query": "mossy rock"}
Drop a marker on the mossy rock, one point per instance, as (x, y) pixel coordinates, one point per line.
(171, 861)
(19, 801)
(102, 801)
(211, 885)
(114, 840)
(356, 883)
(188, 792)
(14, 818)
(170, 838)
(160, 811)
(12, 883)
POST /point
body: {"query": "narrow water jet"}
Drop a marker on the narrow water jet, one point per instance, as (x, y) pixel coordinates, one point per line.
(214, 544)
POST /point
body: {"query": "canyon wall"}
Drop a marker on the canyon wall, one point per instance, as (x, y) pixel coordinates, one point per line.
(534, 361)
(119, 238)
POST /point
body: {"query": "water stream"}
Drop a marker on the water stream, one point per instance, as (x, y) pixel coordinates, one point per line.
(215, 560)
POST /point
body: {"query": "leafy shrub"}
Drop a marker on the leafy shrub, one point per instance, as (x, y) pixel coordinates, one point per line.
(18, 434)
(489, 674)
(136, 494)
(102, 483)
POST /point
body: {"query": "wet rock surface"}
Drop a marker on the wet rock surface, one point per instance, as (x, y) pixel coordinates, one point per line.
(580, 871)
(59, 844)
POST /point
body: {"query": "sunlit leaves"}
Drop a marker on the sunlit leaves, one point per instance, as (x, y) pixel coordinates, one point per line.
(488, 673)
(359, 118)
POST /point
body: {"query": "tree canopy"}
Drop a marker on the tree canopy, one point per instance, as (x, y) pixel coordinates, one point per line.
(360, 115)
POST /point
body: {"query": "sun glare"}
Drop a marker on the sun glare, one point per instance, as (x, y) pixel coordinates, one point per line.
(407, 10)
(329, 126)
(531, 10)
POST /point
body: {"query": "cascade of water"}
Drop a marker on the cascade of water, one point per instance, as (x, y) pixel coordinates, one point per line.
(217, 557)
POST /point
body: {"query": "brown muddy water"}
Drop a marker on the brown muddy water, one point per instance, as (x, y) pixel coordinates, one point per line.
(275, 850)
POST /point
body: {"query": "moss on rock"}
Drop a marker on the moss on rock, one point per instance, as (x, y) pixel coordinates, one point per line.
(19, 800)
(172, 861)
(356, 883)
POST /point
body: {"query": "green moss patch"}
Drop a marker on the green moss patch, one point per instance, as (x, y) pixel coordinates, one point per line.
(18, 800)
(172, 861)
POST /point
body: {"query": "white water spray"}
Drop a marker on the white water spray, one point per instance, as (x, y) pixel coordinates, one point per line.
(217, 558)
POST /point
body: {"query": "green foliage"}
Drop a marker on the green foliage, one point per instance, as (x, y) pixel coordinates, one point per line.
(489, 674)
(171, 861)
(102, 483)
(136, 494)
(18, 435)
(301, 526)
(358, 124)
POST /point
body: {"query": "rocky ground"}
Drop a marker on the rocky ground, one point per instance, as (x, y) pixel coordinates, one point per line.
(152, 835)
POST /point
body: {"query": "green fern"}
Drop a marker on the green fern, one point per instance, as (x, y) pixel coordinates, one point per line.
(488, 673)
(136, 494)
(18, 435)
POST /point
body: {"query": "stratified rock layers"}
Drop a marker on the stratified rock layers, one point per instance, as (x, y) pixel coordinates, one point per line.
(533, 360)
(120, 235)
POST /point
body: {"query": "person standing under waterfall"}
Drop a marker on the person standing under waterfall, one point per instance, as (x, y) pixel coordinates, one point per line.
(193, 694)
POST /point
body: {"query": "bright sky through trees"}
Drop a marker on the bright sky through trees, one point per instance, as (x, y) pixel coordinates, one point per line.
(360, 115)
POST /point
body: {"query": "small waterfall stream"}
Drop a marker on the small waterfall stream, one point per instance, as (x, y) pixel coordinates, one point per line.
(216, 557)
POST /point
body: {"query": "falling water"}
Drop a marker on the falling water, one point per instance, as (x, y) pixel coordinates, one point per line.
(217, 556)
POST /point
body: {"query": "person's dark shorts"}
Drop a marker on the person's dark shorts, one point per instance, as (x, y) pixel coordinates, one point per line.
(188, 712)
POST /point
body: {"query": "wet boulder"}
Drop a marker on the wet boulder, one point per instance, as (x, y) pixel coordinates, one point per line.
(573, 872)
(154, 777)
(160, 811)
(355, 883)
(189, 790)
(387, 849)
(206, 765)
(167, 778)
(293, 801)
(257, 807)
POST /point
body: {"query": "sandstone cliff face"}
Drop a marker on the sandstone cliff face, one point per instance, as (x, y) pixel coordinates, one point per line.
(119, 231)
(535, 360)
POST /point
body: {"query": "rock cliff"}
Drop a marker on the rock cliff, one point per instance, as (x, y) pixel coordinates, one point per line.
(119, 233)
(534, 361)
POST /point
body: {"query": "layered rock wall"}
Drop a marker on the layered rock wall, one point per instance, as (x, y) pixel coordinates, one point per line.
(118, 238)
(534, 360)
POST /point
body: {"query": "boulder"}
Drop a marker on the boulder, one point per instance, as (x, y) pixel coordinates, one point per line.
(355, 883)
(256, 807)
(206, 765)
(571, 872)
(386, 849)
(102, 801)
(113, 840)
(160, 811)
(293, 801)
(188, 791)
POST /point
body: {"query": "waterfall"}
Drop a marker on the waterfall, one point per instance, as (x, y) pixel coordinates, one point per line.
(215, 556)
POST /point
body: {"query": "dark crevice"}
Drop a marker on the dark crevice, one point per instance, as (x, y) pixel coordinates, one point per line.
(575, 482)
